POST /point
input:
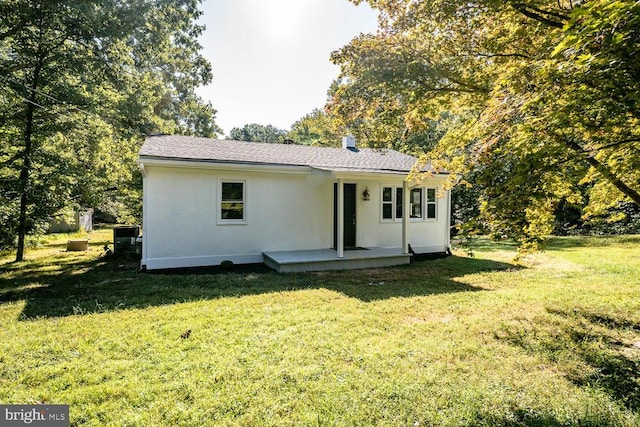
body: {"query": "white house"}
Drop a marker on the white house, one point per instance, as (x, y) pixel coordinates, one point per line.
(293, 207)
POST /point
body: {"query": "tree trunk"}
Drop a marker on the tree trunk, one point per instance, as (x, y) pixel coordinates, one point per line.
(605, 172)
(23, 181)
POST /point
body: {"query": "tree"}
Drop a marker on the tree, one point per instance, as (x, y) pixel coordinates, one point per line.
(542, 97)
(257, 133)
(317, 128)
(82, 81)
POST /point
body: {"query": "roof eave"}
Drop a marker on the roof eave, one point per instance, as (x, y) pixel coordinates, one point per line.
(236, 165)
(189, 163)
(372, 173)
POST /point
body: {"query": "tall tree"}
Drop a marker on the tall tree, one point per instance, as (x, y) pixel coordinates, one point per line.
(254, 132)
(317, 128)
(543, 97)
(82, 81)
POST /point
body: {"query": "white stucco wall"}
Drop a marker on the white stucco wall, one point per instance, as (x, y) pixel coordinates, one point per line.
(425, 236)
(284, 211)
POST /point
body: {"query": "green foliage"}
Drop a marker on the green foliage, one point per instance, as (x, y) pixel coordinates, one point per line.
(449, 342)
(82, 83)
(317, 128)
(540, 99)
(254, 132)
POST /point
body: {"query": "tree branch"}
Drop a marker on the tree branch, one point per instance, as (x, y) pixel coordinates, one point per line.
(12, 159)
(613, 144)
(605, 172)
(449, 89)
(547, 12)
(11, 31)
(541, 15)
(500, 55)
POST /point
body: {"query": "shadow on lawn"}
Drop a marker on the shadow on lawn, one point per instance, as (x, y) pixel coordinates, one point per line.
(524, 417)
(561, 243)
(81, 287)
(577, 339)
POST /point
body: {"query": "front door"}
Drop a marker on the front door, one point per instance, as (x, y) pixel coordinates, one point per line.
(349, 193)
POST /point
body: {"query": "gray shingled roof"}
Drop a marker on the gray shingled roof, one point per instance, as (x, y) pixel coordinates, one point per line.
(189, 148)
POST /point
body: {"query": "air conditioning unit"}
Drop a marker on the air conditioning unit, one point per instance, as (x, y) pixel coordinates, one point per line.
(125, 239)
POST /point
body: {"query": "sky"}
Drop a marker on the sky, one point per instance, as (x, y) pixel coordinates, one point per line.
(270, 58)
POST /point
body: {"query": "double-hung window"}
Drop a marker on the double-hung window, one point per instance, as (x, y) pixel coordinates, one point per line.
(431, 203)
(388, 202)
(417, 209)
(232, 202)
(419, 205)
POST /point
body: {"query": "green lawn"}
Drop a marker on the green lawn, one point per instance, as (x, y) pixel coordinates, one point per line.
(456, 341)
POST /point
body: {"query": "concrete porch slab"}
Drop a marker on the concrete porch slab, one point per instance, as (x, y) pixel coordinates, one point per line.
(327, 259)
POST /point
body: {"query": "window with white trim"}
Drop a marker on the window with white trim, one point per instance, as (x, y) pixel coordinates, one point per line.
(416, 203)
(399, 203)
(431, 203)
(388, 202)
(232, 202)
(419, 205)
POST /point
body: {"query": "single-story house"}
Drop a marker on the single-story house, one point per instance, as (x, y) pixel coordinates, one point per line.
(293, 207)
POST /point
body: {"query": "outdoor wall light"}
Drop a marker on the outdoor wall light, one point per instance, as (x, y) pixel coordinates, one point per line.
(365, 194)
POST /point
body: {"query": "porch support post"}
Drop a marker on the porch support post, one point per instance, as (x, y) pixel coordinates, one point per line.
(340, 225)
(406, 204)
(448, 235)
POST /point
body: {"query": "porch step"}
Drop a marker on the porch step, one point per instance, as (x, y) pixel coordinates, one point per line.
(327, 259)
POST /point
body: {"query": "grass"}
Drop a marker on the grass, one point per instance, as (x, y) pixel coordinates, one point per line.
(455, 341)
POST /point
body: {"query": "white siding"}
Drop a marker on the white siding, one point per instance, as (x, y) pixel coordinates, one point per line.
(283, 212)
